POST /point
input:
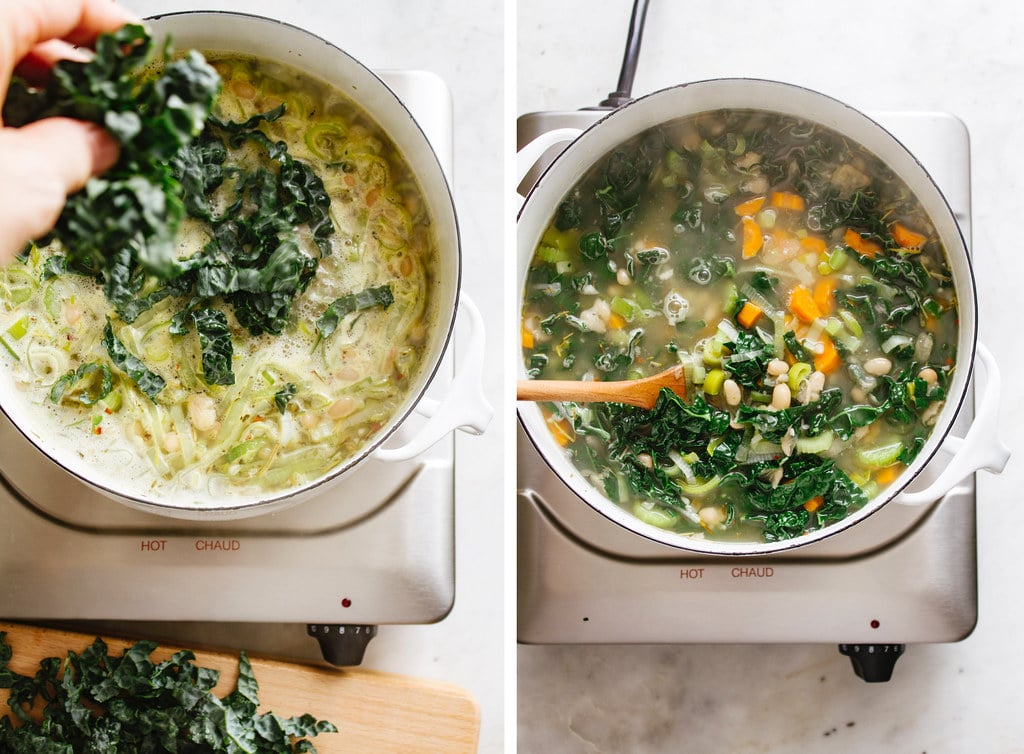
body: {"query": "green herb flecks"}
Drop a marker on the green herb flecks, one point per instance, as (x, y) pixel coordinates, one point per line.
(96, 702)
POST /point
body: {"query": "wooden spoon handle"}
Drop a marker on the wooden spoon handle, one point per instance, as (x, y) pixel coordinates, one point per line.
(573, 390)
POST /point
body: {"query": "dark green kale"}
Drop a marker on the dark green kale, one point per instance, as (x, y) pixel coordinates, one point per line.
(149, 383)
(97, 702)
(215, 340)
(365, 299)
(805, 477)
(137, 205)
(87, 385)
(569, 214)
(285, 394)
(175, 158)
(795, 347)
(749, 359)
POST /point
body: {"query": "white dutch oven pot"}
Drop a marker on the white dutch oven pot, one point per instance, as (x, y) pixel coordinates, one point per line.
(979, 449)
(465, 406)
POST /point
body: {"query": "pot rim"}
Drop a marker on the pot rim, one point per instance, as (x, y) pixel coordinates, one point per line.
(442, 204)
(955, 244)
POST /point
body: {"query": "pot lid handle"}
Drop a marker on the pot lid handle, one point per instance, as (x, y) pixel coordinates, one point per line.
(979, 449)
(465, 406)
(531, 155)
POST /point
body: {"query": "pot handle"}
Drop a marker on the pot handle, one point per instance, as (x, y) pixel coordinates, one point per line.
(980, 448)
(530, 155)
(465, 406)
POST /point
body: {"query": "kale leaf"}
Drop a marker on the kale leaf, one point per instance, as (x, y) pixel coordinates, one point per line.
(749, 359)
(215, 340)
(364, 299)
(96, 702)
(87, 385)
(149, 383)
(285, 394)
(137, 205)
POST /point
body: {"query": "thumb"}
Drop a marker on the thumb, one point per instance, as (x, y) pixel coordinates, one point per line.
(43, 163)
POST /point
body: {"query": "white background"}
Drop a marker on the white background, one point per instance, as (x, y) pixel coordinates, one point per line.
(463, 43)
(966, 58)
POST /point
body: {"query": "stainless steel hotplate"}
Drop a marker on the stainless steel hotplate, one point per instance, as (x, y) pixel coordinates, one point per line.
(902, 575)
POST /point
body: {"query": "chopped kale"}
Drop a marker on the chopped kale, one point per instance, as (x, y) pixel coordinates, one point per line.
(149, 383)
(137, 206)
(215, 340)
(87, 385)
(96, 702)
(284, 395)
(370, 297)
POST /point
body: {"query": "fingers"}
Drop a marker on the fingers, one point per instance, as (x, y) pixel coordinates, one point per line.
(43, 163)
(26, 23)
(37, 65)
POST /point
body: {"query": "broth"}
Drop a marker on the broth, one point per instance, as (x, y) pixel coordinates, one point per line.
(803, 290)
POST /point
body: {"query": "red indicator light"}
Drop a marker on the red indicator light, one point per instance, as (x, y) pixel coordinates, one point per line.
(875, 624)
(346, 602)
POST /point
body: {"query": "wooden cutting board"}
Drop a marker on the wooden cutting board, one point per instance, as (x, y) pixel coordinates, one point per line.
(375, 712)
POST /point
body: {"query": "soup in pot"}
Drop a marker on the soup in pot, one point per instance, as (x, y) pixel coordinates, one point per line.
(212, 388)
(802, 289)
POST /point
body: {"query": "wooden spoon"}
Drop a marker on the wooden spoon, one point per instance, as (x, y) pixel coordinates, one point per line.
(642, 393)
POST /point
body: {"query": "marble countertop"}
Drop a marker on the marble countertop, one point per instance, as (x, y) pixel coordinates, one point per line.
(464, 47)
(962, 58)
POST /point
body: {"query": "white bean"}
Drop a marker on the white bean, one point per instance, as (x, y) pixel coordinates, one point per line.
(172, 443)
(623, 277)
(202, 412)
(712, 516)
(644, 459)
(342, 407)
(781, 397)
(931, 414)
(878, 366)
(732, 392)
(777, 367)
(816, 382)
(929, 375)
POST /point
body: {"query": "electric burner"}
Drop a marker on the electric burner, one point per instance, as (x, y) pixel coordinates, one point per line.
(377, 548)
(905, 574)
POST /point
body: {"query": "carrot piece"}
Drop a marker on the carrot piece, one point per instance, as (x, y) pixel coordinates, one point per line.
(823, 295)
(748, 314)
(885, 477)
(814, 503)
(788, 200)
(616, 321)
(861, 245)
(815, 244)
(908, 238)
(526, 337)
(801, 303)
(749, 207)
(562, 430)
(828, 360)
(753, 238)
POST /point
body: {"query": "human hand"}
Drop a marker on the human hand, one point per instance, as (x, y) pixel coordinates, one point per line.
(42, 162)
